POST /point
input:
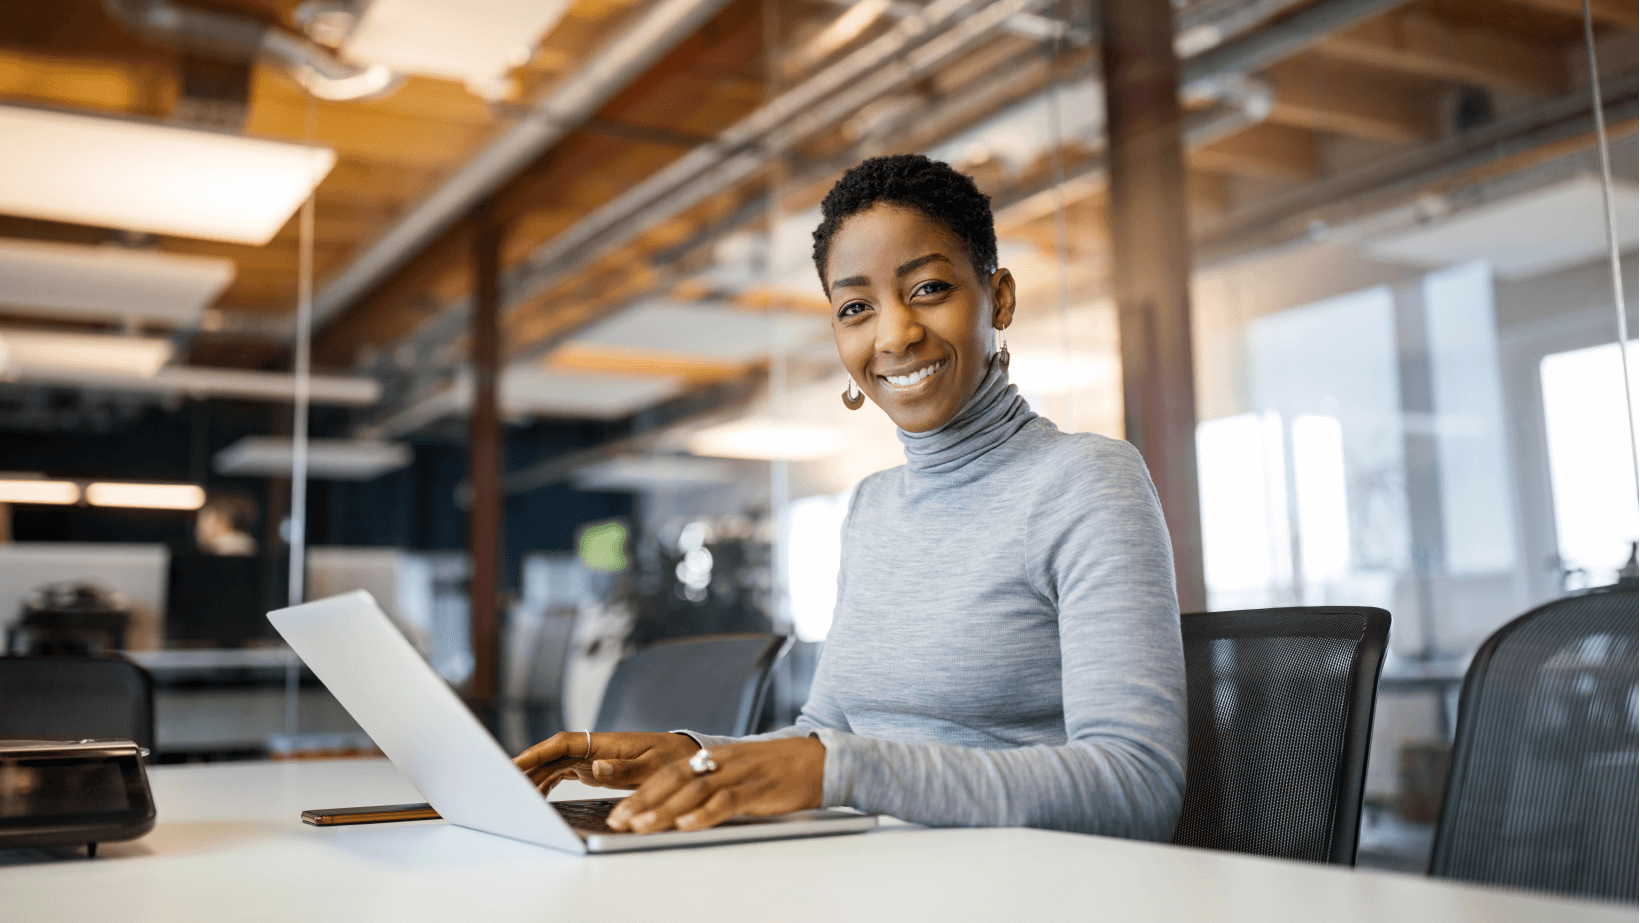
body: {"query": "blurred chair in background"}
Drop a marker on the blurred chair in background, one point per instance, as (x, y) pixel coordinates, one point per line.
(1542, 790)
(74, 698)
(713, 684)
(1281, 704)
(532, 705)
(789, 687)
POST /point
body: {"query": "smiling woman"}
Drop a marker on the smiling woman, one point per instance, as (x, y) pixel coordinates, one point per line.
(1005, 648)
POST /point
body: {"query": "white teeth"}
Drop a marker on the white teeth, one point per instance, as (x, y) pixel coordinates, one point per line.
(902, 381)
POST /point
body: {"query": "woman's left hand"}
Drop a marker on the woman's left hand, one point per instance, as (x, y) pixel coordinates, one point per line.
(755, 778)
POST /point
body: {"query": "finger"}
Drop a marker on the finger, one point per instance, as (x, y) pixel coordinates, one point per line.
(548, 781)
(620, 773)
(655, 791)
(687, 797)
(552, 749)
(724, 804)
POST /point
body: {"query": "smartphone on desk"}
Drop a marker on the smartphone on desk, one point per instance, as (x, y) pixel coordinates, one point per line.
(371, 814)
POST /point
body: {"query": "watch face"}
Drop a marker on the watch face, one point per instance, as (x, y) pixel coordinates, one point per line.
(81, 790)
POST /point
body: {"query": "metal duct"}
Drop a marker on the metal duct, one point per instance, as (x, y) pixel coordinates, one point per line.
(239, 38)
(1218, 75)
(661, 28)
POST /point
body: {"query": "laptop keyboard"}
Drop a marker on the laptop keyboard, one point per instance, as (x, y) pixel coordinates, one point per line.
(587, 816)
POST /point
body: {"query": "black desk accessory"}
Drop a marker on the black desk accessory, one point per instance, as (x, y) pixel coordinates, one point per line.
(64, 793)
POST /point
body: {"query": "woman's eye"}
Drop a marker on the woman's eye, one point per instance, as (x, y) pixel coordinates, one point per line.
(851, 309)
(931, 287)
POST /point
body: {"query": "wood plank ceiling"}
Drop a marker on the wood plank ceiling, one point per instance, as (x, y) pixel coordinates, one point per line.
(1406, 78)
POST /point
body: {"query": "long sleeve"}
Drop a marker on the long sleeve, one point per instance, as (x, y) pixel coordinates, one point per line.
(1096, 558)
(1097, 549)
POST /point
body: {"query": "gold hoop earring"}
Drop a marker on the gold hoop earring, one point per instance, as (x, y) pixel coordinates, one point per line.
(853, 397)
(1002, 349)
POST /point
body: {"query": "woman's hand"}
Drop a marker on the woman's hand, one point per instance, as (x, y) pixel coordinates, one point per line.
(615, 761)
(755, 778)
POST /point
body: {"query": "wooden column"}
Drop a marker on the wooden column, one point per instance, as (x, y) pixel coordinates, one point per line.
(1150, 245)
(484, 445)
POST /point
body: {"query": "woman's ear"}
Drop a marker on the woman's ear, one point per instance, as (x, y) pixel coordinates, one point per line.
(1002, 297)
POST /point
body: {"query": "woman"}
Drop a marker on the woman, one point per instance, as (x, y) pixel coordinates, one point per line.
(1005, 649)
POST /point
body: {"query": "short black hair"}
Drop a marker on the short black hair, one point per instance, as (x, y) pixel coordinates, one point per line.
(914, 181)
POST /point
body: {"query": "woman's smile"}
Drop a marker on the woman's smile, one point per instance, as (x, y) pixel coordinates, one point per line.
(907, 382)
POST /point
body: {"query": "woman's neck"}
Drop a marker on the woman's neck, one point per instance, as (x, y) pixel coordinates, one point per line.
(994, 413)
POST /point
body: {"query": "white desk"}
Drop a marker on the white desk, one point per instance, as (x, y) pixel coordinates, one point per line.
(229, 846)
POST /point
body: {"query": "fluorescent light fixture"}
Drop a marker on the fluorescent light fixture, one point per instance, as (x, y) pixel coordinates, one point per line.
(649, 472)
(1553, 228)
(532, 391)
(71, 280)
(328, 459)
(146, 496)
(764, 440)
(710, 331)
(477, 43)
(34, 351)
(146, 176)
(31, 490)
(243, 384)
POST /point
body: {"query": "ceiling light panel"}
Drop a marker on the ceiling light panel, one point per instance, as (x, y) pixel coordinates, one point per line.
(768, 440)
(68, 280)
(29, 352)
(1553, 228)
(477, 43)
(327, 459)
(719, 333)
(31, 490)
(146, 496)
(162, 179)
(568, 394)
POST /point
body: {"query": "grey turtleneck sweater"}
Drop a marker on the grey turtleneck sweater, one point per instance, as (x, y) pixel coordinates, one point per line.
(1005, 648)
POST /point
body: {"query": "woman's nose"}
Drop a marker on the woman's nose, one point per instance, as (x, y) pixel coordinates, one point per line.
(897, 329)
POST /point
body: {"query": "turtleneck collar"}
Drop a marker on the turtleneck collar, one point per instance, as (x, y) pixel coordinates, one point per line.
(991, 416)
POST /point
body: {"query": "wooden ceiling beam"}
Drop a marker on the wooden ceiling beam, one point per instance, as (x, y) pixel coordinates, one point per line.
(1623, 14)
(607, 360)
(1266, 151)
(718, 72)
(1315, 94)
(1421, 45)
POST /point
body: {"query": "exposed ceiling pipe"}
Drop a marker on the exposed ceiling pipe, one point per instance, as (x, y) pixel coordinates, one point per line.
(734, 153)
(610, 71)
(241, 38)
(1240, 102)
(1282, 40)
(716, 165)
(642, 206)
(1202, 78)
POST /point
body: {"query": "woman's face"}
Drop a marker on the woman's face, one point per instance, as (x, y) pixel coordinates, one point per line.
(911, 316)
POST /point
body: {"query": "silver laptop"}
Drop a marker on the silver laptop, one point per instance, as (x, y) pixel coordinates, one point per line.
(428, 733)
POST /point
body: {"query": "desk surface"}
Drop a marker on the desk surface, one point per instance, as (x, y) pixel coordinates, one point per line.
(229, 846)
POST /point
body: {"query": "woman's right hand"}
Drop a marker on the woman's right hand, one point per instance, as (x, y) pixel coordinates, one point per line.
(616, 760)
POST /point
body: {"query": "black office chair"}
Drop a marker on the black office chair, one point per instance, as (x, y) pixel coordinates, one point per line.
(1541, 793)
(713, 684)
(72, 698)
(543, 685)
(1280, 717)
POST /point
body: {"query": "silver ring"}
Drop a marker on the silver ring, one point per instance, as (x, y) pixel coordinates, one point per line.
(589, 745)
(702, 762)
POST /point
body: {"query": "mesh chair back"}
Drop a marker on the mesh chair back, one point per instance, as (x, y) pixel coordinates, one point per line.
(713, 684)
(1541, 794)
(73, 698)
(1280, 717)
